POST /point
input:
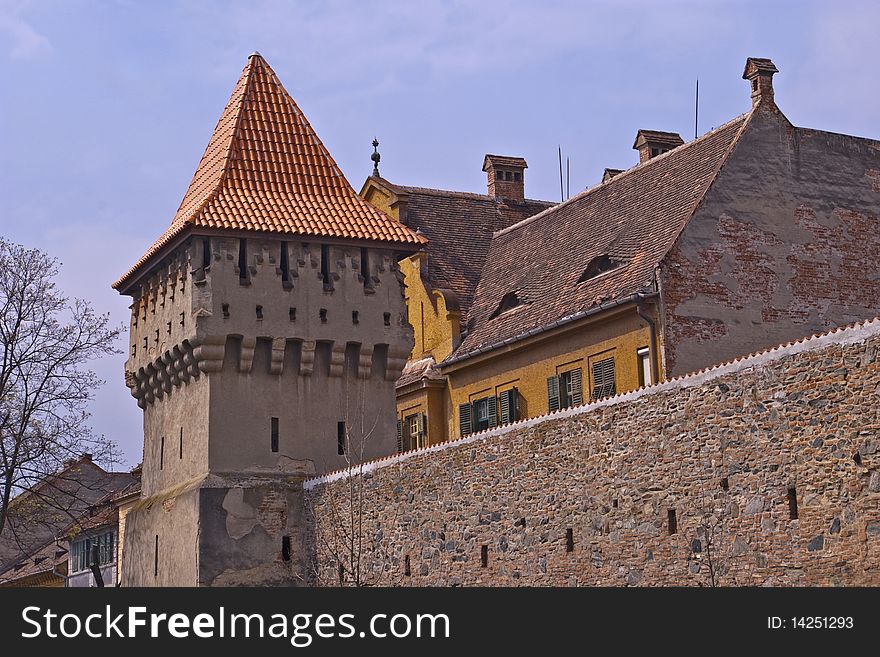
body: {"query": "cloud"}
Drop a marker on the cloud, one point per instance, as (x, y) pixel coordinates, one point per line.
(20, 39)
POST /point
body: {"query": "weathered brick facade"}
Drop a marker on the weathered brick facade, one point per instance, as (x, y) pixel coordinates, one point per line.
(727, 456)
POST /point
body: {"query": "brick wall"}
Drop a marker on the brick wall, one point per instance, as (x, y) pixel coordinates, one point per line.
(586, 496)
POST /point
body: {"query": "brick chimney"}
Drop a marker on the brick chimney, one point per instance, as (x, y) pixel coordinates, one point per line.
(759, 72)
(506, 176)
(651, 143)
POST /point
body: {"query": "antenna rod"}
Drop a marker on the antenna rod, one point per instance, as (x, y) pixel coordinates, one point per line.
(697, 109)
(561, 190)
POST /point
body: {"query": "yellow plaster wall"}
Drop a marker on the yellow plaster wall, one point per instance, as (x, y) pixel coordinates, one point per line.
(435, 328)
(528, 368)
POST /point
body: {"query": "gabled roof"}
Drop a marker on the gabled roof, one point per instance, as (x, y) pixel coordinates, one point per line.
(626, 224)
(266, 170)
(459, 227)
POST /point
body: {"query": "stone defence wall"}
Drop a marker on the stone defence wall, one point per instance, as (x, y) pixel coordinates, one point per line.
(689, 482)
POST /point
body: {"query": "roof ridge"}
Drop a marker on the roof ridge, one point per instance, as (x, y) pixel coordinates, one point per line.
(626, 172)
(452, 192)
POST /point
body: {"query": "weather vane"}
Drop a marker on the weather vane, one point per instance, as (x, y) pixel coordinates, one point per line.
(375, 157)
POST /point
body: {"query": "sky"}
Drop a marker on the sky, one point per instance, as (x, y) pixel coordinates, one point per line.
(106, 106)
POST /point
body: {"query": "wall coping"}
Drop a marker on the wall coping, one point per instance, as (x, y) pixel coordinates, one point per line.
(845, 335)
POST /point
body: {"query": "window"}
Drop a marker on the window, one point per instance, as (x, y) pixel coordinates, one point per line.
(242, 260)
(83, 548)
(340, 438)
(365, 268)
(508, 301)
(274, 435)
(162, 453)
(599, 265)
(517, 176)
(284, 264)
(181, 443)
(325, 265)
(565, 390)
(206, 253)
(646, 376)
(415, 433)
(655, 152)
(509, 403)
(477, 416)
(603, 379)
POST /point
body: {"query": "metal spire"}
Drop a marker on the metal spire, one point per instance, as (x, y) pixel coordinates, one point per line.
(375, 157)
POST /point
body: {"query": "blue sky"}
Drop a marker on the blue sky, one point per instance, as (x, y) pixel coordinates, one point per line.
(106, 107)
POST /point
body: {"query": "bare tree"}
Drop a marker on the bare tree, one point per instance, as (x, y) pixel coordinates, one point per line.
(361, 558)
(46, 343)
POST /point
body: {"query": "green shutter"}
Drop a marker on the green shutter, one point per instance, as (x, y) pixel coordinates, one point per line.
(603, 378)
(514, 404)
(577, 388)
(423, 428)
(464, 418)
(492, 411)
(553, 393)
(504, 402)
(399, 436)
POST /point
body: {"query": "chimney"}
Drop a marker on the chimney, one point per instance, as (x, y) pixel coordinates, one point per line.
(759, 72)
(651, 143)
(506, 176)
(610, 173)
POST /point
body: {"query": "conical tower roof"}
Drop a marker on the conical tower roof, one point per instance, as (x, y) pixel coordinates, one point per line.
(266, 170)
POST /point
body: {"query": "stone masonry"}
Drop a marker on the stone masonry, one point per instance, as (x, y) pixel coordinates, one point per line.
(764, 471)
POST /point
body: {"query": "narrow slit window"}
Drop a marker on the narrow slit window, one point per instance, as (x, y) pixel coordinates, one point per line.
(162, 452)
(292, 314)
(725, 484)
(569, 540)
(285, 264)
(406, 566)
(355, 317)
(259, 312)
(156, 557)
(673, 522)
(225, 310)
(274, 435)
(340, 438)
(206, 253)
(181, 444)
(322, 313)
(484, 556)
(285, 548)
(792, 503)
(365, 267)
(387, 319)
(242, 260)
(325, 264)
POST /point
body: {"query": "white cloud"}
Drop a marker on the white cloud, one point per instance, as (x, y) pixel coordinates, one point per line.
(19, 38)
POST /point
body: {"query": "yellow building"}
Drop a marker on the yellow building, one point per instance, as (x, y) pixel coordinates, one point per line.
(448, 389)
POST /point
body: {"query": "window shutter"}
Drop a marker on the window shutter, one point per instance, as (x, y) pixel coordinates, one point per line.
(399, 436)
(603, 378)
(407, 434)
(577, 388)
(464, 419)
(553, 393)
(514, 404)
(504, 401)
(423, 428)
(492, 411)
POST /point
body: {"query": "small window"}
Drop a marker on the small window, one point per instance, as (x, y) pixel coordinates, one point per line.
(792, 503)
(162, 452)
(206, 253)
(365, 268)
(242, 260)
(517, 176)
(565, 390)
(508, 301)
(655, 152)
(603, 379)
(325, 265)
(259, 312)
(386, 317)
(646, 377)
(673, 521)
(291, 313)
(284, 264)
(355, 317)
(274, 435)
(225, 308)
(322, 314)
(485, 413)
(340, 438)
(180, 453)
(415, 433)
(597, 266)
(84, 550)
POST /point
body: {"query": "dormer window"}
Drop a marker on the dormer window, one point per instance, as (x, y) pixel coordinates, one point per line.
(598, 266)
(508, 302)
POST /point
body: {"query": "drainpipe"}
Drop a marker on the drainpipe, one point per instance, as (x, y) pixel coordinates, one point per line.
(652, 329)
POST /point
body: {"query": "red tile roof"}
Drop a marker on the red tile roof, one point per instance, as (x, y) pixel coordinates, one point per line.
(628, 222)
(266, 170)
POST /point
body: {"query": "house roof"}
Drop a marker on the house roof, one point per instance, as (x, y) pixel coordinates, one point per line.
(459, 227)
(52, 506)
(266, 170)
(600, 246)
